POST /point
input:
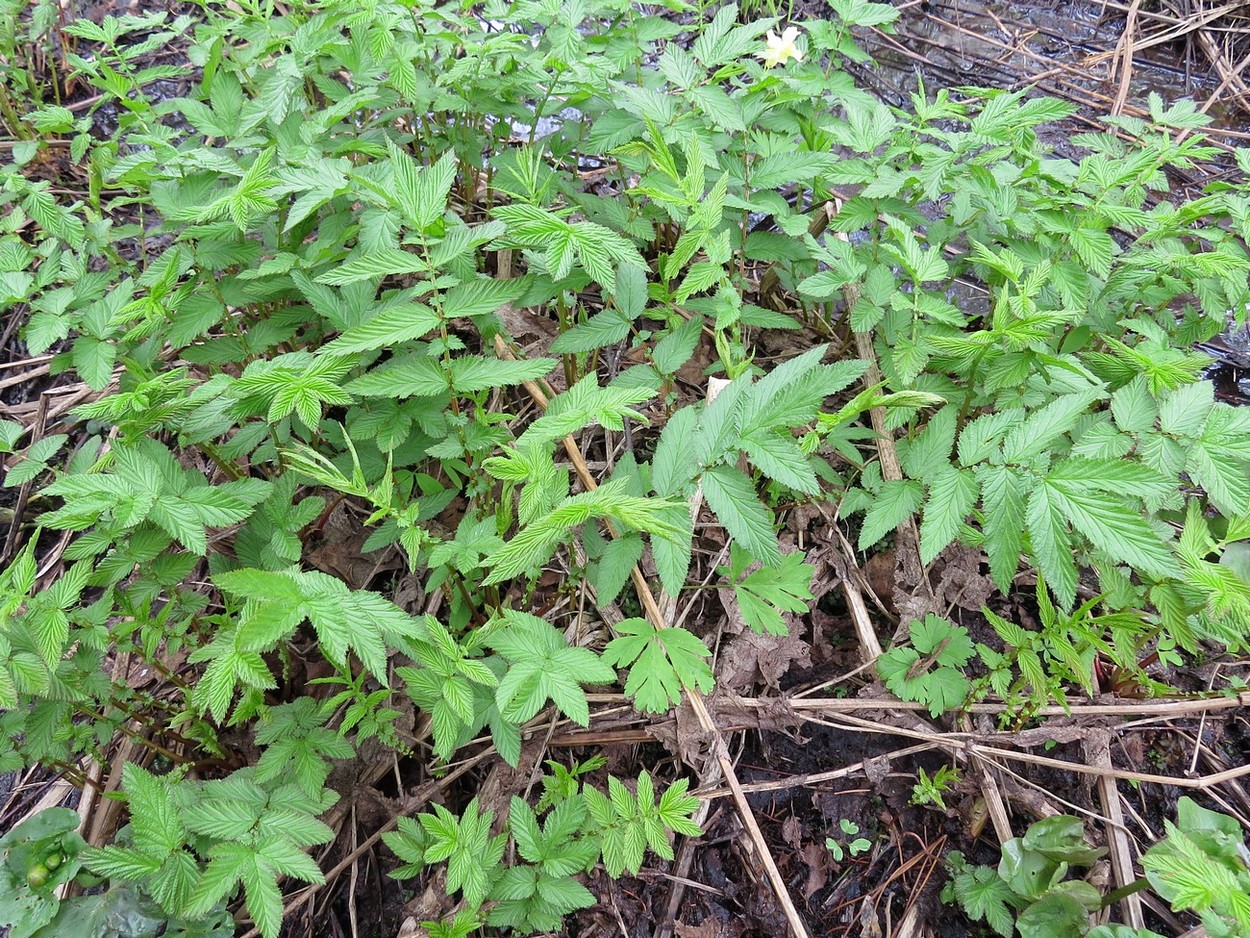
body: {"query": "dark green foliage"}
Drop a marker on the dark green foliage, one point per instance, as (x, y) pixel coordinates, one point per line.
(294, 294)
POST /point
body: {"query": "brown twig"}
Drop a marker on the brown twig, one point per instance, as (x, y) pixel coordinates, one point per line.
(1098, 753)
(807, 779)
(963, 743)
(1120, 706)
(1124, 54)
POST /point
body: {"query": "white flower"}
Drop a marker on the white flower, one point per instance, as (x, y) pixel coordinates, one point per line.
(779, 48)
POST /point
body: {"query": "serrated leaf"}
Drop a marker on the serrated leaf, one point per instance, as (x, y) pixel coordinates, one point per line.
(1114, 476)
(779, 458)
(381, 262)
(731, 495)
(480, 296)
(980, 437)
(672, 555)
(948, 643)
(675, 349)
(661, 663)
(927, 455)
(897, 501)
(601, 330)
(939, 688)
(612, 570)
(390, 327)
(419, 190)
(1040, 429)
(1224, 477)
(121, 863)
(1052, 550)
(792, 393)
(542, 667)
(1003, 500)
(534, 543)
(983, 895)
(474, 373)
(1184, 412)
(1133, 407)
(1117, 529)
(584, 404)
(769, 591)
(951, 496)
(673, 467)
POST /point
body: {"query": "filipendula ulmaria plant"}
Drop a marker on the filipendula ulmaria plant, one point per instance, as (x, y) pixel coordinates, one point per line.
(306, 316)
(464, 690)
(1199, 865)
(191, 845)
(577, 830)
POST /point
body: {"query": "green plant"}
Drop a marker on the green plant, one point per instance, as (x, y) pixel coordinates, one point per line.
(854, 847)
(36, 856)
(28, 76)
(928, 671)
(243, 830)
(661, 662)
(46, 852)
(767, 592)
(931, 790)
(1201, 864)
(580, 828)
(1030, 889)
(1035, 666)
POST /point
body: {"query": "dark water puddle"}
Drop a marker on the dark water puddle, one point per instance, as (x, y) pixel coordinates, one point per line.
(1230, 368)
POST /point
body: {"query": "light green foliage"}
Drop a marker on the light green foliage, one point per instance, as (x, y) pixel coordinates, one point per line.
(147, 488)
(457, 689)
(538, 896)
(1199, 865)
(662, 663)
(932, 790)
(534, 544)
(854, 845)
(472, 854)
(928, 671)
(541, 667)
(159, 851)
(365, 714)
(1202, 865)
(37, 856)
(1031, 878)
(298, 747)
(580, 828)
(34, 629)
(256, 836)
(766, 593)
(752, 419)
(276, 603)
(1036, 665)
(191, 845)
(983, 895)
(562, 783)
(1007, 463)
(35, 459)
(629, 823)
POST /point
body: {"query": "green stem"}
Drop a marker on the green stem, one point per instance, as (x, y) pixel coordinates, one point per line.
(1116, 895)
